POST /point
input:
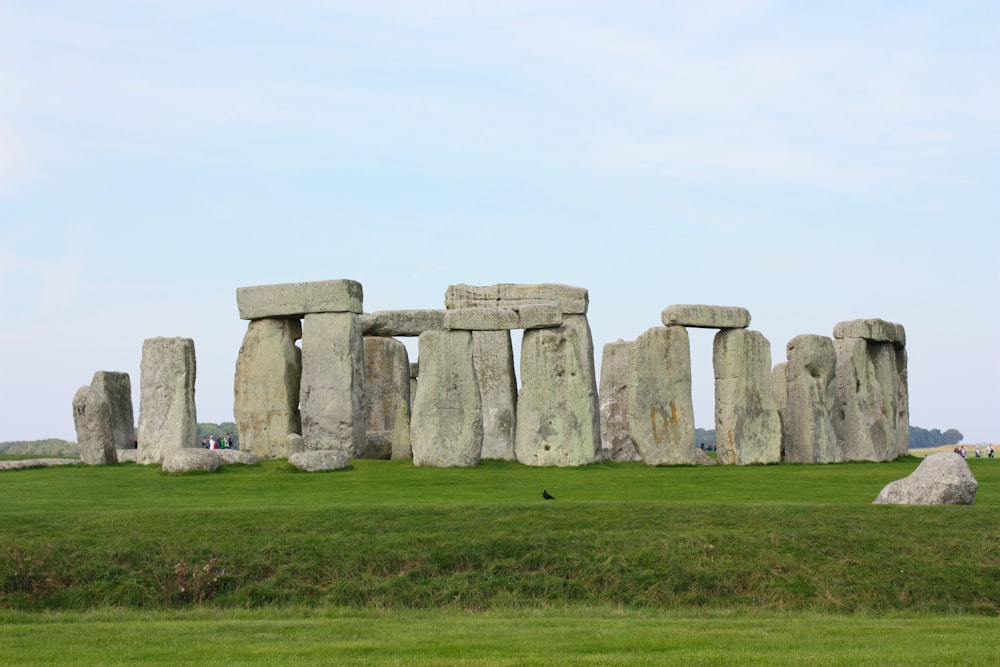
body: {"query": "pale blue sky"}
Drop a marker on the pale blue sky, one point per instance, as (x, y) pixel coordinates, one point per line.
(811, 161)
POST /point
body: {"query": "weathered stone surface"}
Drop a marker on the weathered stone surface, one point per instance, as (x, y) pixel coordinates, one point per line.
(570, 300)
(779, 387)
(117, 391)
(446, 426)
(234, 456)
(94, 431)
(870, 405)
(493, 360)
(810, 377)
(167, 416)
(37, 463)
(940, 479)
(266, 386)
(747, 426)
(333, 383)
(191, 459)
(902, 403)
(660, 410)
(387, 396)
(526, 316)
(299, 299)
(319, 460)
(390, 323)
(873, 329)
(616, 443)
(706, 317)
(294, 443)
(558, 411)
(128, 455)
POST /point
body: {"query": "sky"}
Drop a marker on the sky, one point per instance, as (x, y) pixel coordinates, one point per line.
(813, 162)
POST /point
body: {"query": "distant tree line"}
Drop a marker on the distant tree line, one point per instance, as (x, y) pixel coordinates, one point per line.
(921, 438)
(50, 447)
(207, 429)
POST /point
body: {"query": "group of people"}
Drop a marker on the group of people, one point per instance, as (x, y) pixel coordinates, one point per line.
(224, 442)
(989, 451)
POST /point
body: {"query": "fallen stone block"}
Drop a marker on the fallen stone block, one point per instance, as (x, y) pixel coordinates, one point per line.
(299, 299)
(705, 317)
(235, 456)
(940, 479)
(191, 459)
(319, 460)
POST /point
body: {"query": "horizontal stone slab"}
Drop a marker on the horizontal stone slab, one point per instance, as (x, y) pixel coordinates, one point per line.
(526, 316)
(401, 322)
(706, 317)
(299, 299)
(570, 300)
(872, 329)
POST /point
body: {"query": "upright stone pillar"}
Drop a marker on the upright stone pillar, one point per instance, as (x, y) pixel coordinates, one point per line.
(446, 427)
(266, 387)
(660, 410)
(387, 398)
(616, 443)
(167, 417)
(94, 430)
(747, 427)
(493, 359)
(333, 383)
(117, 391)
(811, 396)
(779, 387)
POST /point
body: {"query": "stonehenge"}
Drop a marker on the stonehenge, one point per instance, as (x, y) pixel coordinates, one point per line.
(167, 417)
(103, 418)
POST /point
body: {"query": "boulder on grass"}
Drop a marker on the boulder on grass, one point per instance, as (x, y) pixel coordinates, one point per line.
(940, 479)
(191, 458)
(235, 456)
(319, 460)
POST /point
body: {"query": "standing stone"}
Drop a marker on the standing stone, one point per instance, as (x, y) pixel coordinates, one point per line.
(117, 391)
(902, 404)
(167, 416)
(747, 426)
(266, 387)
(660, 410)
(94, 429)
(387, 396)
(616, 443)
(333, 383)
(868, 411)
(810, 376)
(779, 387)
(558, 412)
(493, 359)
(446, 427)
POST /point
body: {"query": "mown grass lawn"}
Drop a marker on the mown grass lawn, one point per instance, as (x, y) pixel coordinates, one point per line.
(385, 563)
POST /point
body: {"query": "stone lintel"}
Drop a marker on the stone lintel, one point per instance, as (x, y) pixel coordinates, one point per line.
(299, 299)
(706, 317)
(525, 316)
(571, 300)
(392, 323)
(872, 329)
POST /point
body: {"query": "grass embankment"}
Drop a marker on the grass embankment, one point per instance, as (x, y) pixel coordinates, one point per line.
(387, 536)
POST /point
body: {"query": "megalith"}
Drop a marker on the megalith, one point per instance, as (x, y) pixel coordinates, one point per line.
(167, 416)
(387, 397)
(94, 428)
(616, 442)
(333, 383)
(747, 426)
(446, 425)
(705, 317)
(266, 386)
(940, 479)
(117, 391)
(660, 409)
(779, 387)
(558, 412)
(871, 418)
(811, 390)
(493, 360)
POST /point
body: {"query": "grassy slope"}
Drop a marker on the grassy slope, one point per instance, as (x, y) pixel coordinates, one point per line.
(385, 535)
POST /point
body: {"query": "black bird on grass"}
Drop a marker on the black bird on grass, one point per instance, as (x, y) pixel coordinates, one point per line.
(547, 495)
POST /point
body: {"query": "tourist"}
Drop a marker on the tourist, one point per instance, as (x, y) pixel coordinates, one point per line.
(977, 451)
(211, 442)
(963, 451)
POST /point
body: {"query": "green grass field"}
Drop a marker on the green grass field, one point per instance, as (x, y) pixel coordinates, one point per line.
(384, 563)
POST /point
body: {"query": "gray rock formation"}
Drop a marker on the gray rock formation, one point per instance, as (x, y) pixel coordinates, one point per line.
(810, 376)
(779, 387)
(446, 425)
(707, 317)
(873, 329)
(37, 463)
(234, 456)
(294, 443)
(167, 416)
(319, 460)
(493, 360)
(570, 300)
(128, 455)
(558, 412)
(94, 430)
(299, 299)
(940, 479)
(391, 323)
(266, 386)
(660, 410)
(526, 316)
(117, 391)
(616, 443)
(747, 426)
(387, 397)
(191, 459)
(333, 383)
